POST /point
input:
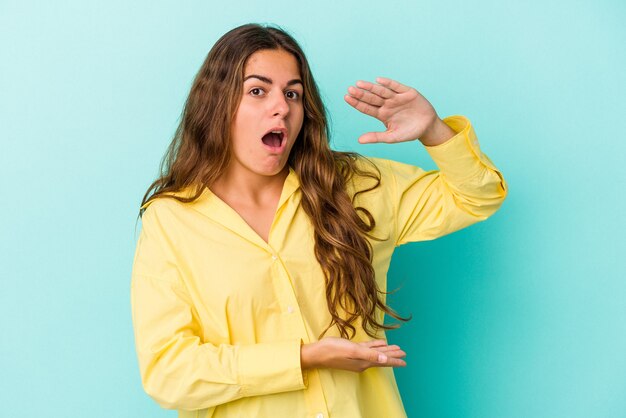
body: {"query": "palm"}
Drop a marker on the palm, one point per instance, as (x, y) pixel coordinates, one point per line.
(403, 110)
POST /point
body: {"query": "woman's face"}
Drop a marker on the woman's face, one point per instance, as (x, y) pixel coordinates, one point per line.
(269, 116)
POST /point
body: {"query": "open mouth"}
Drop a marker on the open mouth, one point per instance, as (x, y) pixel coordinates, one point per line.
(273, 139)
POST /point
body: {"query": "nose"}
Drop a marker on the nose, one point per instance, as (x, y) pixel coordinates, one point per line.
(280, 107)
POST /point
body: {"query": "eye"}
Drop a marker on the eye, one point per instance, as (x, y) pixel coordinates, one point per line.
(256, 91)
(292, 94)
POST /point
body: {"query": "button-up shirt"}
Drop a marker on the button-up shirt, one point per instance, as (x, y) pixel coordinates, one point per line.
(220, 314)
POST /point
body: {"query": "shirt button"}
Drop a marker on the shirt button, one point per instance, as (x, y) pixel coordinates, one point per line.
(320, 415)
(290, 309)
(274, 257)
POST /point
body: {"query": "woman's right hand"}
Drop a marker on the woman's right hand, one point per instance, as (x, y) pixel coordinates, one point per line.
(340, 353)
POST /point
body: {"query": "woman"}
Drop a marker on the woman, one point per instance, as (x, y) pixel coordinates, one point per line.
(259, 279)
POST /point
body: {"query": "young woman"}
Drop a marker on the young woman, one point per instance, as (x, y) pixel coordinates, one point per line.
(259, 280)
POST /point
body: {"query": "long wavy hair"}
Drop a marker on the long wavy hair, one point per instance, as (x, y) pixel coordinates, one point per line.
(200, 152)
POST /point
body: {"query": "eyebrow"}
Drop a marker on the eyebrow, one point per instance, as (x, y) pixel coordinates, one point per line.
(269, 80)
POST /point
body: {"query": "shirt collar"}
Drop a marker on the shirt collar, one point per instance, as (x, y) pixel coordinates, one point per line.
(215, 208)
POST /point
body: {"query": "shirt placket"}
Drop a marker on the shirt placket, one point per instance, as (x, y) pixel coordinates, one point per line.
(294, 321)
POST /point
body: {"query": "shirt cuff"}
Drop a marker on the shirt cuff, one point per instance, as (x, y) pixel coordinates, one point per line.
(267, 368)
(460, 157)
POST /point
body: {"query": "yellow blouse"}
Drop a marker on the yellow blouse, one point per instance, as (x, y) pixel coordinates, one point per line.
(219, 314)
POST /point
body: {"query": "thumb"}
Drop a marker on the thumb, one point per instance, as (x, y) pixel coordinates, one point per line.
(372, 355)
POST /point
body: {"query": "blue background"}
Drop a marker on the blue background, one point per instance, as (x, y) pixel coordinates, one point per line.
(520, 316)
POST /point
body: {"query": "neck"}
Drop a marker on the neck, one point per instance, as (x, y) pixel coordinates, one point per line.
(249, 187)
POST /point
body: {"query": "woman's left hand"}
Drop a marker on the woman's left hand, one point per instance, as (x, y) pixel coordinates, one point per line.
(406, 114)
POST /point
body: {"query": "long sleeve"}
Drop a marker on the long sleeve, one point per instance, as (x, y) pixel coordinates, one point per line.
(466, 189)
(180, 367)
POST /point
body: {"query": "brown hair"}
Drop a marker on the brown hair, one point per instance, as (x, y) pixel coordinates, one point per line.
(200, 152)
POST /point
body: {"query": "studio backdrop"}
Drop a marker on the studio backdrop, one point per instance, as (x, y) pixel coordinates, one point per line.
(521, 316)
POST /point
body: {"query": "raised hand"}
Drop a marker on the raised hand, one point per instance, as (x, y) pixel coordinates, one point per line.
(406, 114)
(339, 353)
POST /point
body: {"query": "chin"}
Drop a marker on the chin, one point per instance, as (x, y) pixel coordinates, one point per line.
(275, 172)
(269, 171)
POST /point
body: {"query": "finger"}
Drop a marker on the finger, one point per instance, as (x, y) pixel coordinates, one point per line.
(395, 354)
(373, 137)
(374, 343)
(377, 89)
(393, 85)
(395, 363)
(366, 96)
(388, 348)
(361, 106)
(391, 351)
